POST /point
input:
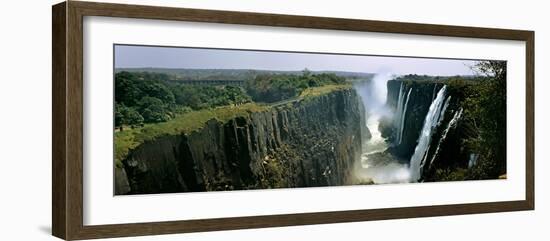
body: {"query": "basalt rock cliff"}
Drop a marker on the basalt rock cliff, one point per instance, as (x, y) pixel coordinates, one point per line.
(304, 143)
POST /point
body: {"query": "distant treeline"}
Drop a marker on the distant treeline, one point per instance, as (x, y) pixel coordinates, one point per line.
(233, 74)
(429, 78)
(148, 97)
(272, 88)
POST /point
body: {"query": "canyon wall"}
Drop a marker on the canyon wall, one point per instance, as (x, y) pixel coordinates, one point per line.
(445, 149)
(420, 98)
(309, 142)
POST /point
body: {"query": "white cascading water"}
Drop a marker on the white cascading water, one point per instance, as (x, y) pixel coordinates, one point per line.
(452, 123)
(434, 116)
(402, 118)
(373, 95)
(473, 160)
(400, 114)
(398, 111)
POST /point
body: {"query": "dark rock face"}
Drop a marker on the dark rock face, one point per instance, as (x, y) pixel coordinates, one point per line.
(121, 181)
(393, 93)
(421, 97)
(308, 143)
(446, 149)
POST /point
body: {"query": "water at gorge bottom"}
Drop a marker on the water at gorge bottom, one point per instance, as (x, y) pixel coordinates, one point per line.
(377, 165)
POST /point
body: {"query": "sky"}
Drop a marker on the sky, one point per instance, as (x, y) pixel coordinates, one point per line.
(128, 56)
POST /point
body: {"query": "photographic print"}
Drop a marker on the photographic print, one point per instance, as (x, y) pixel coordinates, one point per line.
(286, 119)
(204, 119)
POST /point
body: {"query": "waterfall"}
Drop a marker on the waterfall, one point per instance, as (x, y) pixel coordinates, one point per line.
(433, 92)
(373, 96)
(375, 164)
(402, 116)
(401, 111)
(457, 115)
(433, 117)
(398, 111)
(473, 160)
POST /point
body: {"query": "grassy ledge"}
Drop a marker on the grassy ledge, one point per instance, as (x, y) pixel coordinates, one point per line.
(322, 90)
(185, 124)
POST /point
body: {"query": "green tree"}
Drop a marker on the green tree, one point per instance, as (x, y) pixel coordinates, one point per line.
(492, 68)
(133, 118)
(153, 110)
(485, 110)
(272, 88)
(187, 96)
(126, 116)
(159, 91)
(120, 119)
(127, 90)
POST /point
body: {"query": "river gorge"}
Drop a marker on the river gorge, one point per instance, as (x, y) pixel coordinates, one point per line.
(375, 131)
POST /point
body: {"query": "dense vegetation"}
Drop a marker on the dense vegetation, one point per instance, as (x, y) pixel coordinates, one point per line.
(146, 97)
(272, 88)
(143, 97)
(485, 120)
(486, 114)
(160, 105)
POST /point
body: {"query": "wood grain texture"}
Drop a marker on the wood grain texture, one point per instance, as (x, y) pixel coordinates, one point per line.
(530, 120)
(67, 137)
(121, 230)
(74, 121)
(59, 181)
(264, 19)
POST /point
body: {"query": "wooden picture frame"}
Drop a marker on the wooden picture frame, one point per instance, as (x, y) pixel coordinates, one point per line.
(67, 150)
